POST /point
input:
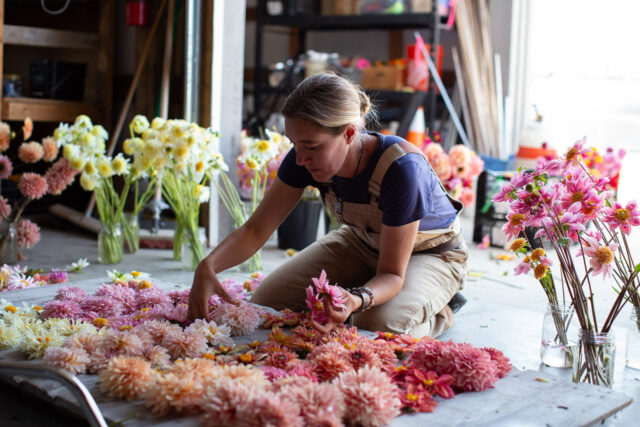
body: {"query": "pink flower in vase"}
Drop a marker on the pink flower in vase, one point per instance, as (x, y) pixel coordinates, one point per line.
(6, 167)
(5, 208)
(600, 257)
(514, 224)
(59, 176)
(5, 136)
(576, 151)
(32, 185)
(467, 196)
(621, 217)
(50, 147)
(28, 234)
(522, 268)
(30, 152)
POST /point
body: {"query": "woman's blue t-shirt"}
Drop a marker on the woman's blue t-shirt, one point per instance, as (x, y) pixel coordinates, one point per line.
(410, 189)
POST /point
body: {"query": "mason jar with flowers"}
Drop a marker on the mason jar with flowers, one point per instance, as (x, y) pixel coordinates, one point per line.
(589, 235)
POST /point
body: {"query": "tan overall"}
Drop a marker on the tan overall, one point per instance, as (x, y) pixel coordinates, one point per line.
(435, 272)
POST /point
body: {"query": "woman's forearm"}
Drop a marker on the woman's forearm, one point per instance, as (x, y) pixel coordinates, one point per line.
(385, 286)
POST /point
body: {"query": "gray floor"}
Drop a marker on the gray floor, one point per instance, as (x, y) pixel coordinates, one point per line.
(503, 311)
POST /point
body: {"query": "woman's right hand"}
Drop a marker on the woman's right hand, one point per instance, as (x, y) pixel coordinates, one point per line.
(205, 284)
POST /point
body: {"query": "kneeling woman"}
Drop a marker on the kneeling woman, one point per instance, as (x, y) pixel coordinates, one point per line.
(399, 256)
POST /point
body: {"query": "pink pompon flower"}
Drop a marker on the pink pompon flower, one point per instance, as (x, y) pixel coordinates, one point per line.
(266, 409)
(522, 268)
(123, 343)
(28, 234)
(467, 196)
(182, 393)
(30, 152)
(103, 306)
(272, 373)
(321, 404)
(59, 176)
(72, 359)
(152, 298)
(71, 293)
(125, 295)
(88, 342)
(61, 309)
(56, 276)
(243, 319)
(220, 403)
(471, 367)
(370, 397)
(185, 344)
(6, 167)
(622, 217)
(158, 356)
(5, 136)
(328, 365)
(32, 185)
(363, 356)
(157, 329)
(127, 377)
(50, 147)
(179, 296)
(502, 362)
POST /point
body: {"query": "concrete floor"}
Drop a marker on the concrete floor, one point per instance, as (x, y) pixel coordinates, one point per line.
(503, 311)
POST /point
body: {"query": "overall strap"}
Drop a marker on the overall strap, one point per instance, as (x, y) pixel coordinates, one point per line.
(390, 155)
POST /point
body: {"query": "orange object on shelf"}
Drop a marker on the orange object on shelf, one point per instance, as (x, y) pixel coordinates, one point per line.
(528, 156)
(417, 129)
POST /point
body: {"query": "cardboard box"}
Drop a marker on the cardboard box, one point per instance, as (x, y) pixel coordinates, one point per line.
(383, 78)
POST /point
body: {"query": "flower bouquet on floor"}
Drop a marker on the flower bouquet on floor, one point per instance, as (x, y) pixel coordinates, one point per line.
(589, 236)
(17, 233)
(457, 170)
(185, 156)
(258, 165)
(83, 145)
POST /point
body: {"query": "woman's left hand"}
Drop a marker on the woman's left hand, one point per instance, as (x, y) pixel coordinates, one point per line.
(337, 315)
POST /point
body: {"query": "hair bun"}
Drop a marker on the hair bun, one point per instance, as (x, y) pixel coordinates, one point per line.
(365, 102)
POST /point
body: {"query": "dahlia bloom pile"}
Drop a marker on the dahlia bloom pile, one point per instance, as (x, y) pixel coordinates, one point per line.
(456, 170)
(573, 215)
(127, 333)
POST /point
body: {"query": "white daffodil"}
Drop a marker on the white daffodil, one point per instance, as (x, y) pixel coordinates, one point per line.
(120, 165)
(87, 182)
(139, 123)
(70, 151)
(202, 193)
(78, 266)
(99, 132)
(105, 169)
(77, 162)
(132, 146)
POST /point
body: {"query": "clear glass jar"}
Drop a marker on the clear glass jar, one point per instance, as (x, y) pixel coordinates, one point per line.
(191, 256)
(110, 243)
(8, 243)
(594, 358)
(632, 353)
(131, 227)
(559, 336)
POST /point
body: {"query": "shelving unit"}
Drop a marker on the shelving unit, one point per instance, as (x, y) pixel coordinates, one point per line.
(306, 23)
(95, 48)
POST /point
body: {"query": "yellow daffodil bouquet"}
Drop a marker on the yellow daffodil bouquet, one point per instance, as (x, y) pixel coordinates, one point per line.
(83, 145)
(185, 156)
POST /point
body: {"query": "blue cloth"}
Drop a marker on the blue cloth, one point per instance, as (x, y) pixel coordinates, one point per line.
(410, 189)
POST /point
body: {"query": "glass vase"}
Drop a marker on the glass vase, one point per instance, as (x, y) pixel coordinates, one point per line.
(131, 229)
(178, 238)
(559, 336)
(110, 243)
(8, 243)
(632, 352)
(253, 264)
(191, 254)
(594, 358)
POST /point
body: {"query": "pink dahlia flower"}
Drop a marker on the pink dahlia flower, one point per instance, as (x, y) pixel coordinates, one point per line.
(50, 147)
(28, 234)
(502, 362)
(158, 356)
(370, 397)
(123, 343)
(621, 217)
(471, 367)
(32, 185)
(221, 403)
(56, 276)
(321, 404)
(71, 293)
(125, 295)
(182, 393)
(86, 341)
(30, 152)
(59, 176)
(243, 319)
(5, 136)
(127, 377)
(184, 344)
(62, 310)
(6, 167)
(266, 409)
(103, 306)
(72, 359)
(153, 297)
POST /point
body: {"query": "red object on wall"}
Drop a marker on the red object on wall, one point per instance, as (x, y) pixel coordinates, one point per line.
(135, 13)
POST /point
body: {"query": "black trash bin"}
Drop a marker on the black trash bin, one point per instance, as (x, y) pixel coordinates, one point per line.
(300, 228)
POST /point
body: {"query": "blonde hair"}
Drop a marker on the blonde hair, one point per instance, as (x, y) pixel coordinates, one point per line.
(331, 102)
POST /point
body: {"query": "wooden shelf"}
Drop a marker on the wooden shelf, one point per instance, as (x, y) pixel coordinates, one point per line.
(44, 37)
(49, 110)
(352, 22)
